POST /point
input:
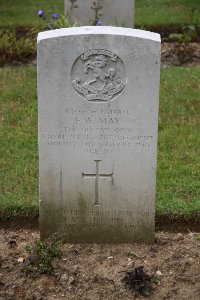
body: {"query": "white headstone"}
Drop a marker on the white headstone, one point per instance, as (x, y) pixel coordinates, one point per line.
(105, 12)
(98, 90)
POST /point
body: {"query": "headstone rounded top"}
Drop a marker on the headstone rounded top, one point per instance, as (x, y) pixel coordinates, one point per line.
(88, 30)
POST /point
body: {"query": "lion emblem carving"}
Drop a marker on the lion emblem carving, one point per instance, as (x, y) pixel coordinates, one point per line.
(97, 67)
(101, 75)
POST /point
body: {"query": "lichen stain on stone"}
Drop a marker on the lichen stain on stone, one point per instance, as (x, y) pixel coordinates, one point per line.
(82, 203)
(61, 188)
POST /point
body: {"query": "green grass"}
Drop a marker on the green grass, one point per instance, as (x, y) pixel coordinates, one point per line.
(178, 179)
(148, 12)
(167, 12)
(24, 12)
(18, 135)
(178, 188)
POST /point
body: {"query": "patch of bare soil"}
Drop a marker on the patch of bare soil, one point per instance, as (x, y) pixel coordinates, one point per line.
(166, 31)
(180, 54)
(96, 271)
(172, 54)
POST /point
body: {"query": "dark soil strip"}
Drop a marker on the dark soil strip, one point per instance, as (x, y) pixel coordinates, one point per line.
(178, 224)
(173, 54)
(165, 31)
(163, 223)
(19, 222)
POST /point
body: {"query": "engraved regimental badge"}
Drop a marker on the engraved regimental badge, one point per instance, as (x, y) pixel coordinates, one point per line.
(98, 75)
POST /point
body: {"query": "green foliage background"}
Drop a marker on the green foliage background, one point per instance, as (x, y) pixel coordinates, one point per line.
(148, 12)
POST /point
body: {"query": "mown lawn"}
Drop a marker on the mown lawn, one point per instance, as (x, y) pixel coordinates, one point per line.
(148, 12)
(178, 179)
(24, 12)
(18, 135)
(167, 12)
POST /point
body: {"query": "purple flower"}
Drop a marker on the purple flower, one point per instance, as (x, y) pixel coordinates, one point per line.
(40, 13)
(99, 23)
(55, 16)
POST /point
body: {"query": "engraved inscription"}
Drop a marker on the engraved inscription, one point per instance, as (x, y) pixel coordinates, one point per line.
(112, 214)
(98, 75)
(97, 177)
(98, 131)
(99, 218)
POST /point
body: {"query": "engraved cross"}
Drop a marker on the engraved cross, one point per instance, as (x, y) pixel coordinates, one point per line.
(97, 177)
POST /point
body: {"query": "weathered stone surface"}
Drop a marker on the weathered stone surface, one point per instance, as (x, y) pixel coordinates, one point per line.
(98, 92)
(108, 12)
